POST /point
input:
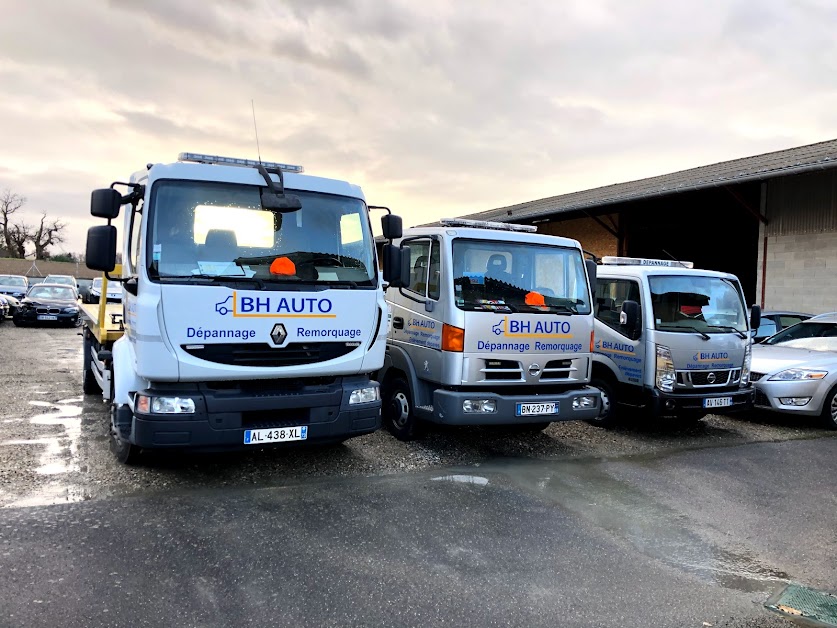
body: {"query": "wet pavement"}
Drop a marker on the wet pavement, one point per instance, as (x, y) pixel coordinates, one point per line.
(644, 525)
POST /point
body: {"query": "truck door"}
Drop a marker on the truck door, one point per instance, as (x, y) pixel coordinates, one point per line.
(414, 328)
(611, 341)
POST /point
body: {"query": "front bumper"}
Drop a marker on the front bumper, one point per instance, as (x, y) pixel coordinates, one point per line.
(663, 404)
(223, 415)
(768, 394)
(30, 316)
(447, 407)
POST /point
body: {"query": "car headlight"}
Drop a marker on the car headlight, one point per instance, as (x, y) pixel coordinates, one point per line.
(70, 310)
(666, 377)
(795, 375)
(748, 358)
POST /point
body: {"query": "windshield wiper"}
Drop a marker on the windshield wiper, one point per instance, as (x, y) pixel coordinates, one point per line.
(740, 333)
(703, 335)
(215, 279)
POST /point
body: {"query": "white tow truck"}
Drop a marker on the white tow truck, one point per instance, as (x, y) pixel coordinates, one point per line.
(671, 340)
(493, 326)
(253, 309)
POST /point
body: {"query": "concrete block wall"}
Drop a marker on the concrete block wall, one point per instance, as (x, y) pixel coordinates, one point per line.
(592, 235)
(801, 273)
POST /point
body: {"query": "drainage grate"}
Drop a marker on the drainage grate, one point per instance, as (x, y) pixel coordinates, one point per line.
(815, 606)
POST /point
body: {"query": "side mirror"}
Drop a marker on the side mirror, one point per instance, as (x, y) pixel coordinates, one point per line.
(392, 227)
(591, 274)
(105, 203)
(396, 265)
(629, 319)
(101, 248)
(755, 317)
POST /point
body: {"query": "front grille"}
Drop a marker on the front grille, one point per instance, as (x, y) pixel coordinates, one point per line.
(761, 399)
(711, 378)
(558, 369)
(262, 354)
(502, 370)
(754, 377)
(274, 419)
(48, 310)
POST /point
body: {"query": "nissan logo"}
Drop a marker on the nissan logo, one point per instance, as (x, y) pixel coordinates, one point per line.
(711, 378)
(534, 369)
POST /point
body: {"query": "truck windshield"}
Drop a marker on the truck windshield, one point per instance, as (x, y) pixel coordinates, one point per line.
(518, 277)
(209, 230)
(690, 303)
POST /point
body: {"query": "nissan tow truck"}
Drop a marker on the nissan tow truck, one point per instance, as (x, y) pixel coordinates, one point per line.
(671, 340)
(494, 326)
(253, 310)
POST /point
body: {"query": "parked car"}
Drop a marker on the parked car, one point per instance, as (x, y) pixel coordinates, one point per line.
(48, 303)
(15, 285)
(4, 308)
(114, 291)
(795, 370)
(67, 280)
(773, 321)
(84, 286)
(12, 302)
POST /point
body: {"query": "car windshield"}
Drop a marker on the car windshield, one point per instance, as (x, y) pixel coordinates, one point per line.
(97, 282)
(817, 336)
(220, 230)
(59, 293)
(503, 276)
(8, 280)
(63, 280)
(689, 303)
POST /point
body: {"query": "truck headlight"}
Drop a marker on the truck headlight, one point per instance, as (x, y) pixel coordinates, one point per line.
(794, 375)
(585, 401)
(745, 370)
(164, 405)
(365, 395)
(475, 406)
(665, 377)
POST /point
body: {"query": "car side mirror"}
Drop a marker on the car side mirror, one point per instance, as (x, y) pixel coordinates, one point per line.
(591, 274)
(391, 226)
(396, 265)
(100, 253)
(755, 317)
(105, 203)
(629, 320)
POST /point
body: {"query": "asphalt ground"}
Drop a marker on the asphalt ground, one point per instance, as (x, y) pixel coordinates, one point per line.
(644, 525)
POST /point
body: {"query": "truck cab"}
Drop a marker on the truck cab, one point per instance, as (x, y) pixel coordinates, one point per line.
(493, 326)
(253, 310)
(671, 340)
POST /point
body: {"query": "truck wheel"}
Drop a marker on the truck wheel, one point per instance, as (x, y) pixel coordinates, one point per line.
(829, 410)
(397, 411)
(609, 414)
(88, 383)
(120, 419)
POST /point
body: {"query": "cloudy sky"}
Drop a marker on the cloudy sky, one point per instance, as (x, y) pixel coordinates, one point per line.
(436, 108)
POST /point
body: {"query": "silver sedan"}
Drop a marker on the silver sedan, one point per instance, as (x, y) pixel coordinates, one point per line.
(795, 371)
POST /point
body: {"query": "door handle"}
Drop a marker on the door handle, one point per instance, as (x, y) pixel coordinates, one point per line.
(398, 322)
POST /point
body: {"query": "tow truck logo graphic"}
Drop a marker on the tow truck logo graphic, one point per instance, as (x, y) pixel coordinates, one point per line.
(224, 307)
(275, 307)
(532, 329)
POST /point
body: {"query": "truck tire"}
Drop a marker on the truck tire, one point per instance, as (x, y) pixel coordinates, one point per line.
(88, 383)
(397, 411)
(609, 414)
(124, 451)
(829, 410)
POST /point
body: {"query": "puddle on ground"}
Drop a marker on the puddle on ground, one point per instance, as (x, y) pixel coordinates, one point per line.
(653, 529)
(463, 479)
(59, 453)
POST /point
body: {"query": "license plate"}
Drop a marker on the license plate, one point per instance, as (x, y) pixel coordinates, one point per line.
(276, 435)
(717, 402)
(534, 409)
(47, 317)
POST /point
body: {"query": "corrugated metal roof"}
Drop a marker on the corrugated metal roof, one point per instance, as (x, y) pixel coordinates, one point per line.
(760, 167)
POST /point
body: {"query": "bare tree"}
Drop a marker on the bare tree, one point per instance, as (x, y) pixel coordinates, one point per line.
(19, 235)
(9, 204)
(46, 234)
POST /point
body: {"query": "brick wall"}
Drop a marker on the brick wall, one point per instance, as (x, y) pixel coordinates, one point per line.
(801, 272)
(592, 235)
(10, 266)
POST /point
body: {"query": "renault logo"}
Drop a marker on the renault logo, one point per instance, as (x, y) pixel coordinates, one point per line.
(534, 369)
(711, 378)
(278, 334)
